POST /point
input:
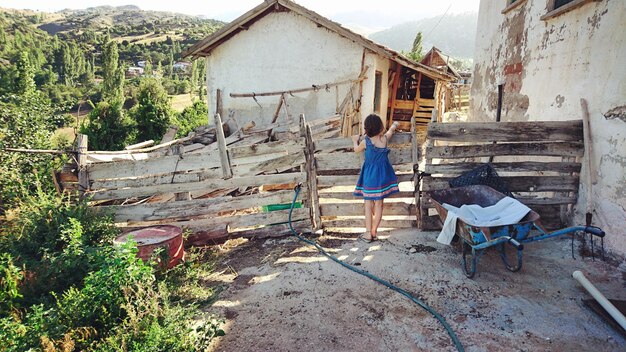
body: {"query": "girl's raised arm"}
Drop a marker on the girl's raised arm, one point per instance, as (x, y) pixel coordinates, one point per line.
(359, 146)
(391, 130)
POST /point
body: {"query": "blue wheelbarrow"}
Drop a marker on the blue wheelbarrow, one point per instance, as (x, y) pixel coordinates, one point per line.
(506, 238)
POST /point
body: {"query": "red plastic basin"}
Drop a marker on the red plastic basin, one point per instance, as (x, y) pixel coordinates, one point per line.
(148, 239)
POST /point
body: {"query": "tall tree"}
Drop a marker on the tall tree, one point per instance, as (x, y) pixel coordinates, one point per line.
(416, 51)
(25, 79)
(113, 82)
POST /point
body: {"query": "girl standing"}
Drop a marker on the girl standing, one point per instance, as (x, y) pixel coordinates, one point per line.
(377, 179)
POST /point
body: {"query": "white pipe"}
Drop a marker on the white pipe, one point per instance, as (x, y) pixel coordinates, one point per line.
(608, 306)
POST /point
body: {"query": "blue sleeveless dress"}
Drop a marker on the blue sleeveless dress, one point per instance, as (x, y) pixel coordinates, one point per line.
(377, 179)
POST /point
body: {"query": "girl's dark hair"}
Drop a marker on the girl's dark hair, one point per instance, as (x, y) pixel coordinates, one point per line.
(373, 125)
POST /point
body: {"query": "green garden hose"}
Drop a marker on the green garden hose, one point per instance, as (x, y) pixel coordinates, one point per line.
(438, 316)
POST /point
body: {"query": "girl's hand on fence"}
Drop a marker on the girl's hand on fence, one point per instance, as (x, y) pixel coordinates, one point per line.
(395, 124)
(356, 139)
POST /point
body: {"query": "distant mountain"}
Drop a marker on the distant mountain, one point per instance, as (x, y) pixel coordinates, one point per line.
(121, 19)
(453, 34)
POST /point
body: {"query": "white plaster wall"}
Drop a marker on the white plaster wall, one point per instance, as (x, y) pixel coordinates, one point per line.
(283, 51)
(579, 54)
(375, 63)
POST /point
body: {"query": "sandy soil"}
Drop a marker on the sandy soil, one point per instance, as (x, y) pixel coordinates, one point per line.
(281, 295)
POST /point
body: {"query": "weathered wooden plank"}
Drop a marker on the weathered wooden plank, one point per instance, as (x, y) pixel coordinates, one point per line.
(350, 180)
(459, 168)
(275, 165)
(530, 201)
(227, 172)
(245, 221)
(333, 133)
(196, 207)
(83, 173)
(348, 195)
(360, 223)
(331, 144)
(311, 170)
(354, 209)
(179, 177)
(542, 149)
(300, 226)
(507, 131)
(288, 146)
(347, 161)
(159, 165)
(516, 183)
(206, 185)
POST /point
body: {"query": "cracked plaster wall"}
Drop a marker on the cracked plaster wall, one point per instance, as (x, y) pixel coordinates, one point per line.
(546, 67)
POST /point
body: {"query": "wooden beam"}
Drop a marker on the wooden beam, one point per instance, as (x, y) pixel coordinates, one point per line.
(459, 168)
(83, 176)
(546, 131)
(221, 143)
(313, 87)
(483, 150)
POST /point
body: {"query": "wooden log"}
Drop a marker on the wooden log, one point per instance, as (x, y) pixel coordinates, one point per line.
(484, 150)
(206, 185)
(139, 145)
(544, 131)
(219, 104)
(196, 207)
(144, 150)
(299, 90)
(525, 166)
(311, 170)
(415, 164)
(516, 183)
(83, 175)
(223, 152)
(355, 209)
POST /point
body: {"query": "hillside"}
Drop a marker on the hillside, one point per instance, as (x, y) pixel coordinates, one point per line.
(454, 35)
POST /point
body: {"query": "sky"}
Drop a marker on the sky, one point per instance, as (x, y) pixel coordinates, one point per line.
(373, 14)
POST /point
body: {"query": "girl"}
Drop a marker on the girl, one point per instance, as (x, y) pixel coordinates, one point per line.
(377, 179)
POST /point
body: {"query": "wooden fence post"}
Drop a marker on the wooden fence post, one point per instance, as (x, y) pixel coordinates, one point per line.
(83, 176)
(416, 179)
(183, 195)
(311, 172)
(221, 144)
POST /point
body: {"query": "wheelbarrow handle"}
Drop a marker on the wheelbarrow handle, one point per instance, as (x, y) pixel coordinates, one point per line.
(596, 231)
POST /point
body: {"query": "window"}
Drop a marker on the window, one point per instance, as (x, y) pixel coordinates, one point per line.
(377, 90)
(512, 4)
(558, 7)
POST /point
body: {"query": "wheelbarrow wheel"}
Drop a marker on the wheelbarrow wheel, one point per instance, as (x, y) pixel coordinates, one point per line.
(469, 266)
(511, 257)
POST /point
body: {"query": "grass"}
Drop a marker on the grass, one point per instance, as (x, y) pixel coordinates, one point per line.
(181, 101)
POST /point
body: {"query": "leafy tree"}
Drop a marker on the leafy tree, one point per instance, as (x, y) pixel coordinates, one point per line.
(108, 127)
(26, 121)
(416, 51)
(191, 117)
(113, 75)
(25, 80)
(153, 111)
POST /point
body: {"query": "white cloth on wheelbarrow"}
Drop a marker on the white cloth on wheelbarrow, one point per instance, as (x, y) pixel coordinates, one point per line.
(506, 212)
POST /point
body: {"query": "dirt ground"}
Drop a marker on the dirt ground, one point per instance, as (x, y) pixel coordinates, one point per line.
(282, 295)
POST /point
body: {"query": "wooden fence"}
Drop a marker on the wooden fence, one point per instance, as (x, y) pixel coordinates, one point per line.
(242, 185)
(337, 169)
(235, 187)
(539, 161)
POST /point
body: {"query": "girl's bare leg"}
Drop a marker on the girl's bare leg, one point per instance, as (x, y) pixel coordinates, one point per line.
(378, 215)
(369, 204)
